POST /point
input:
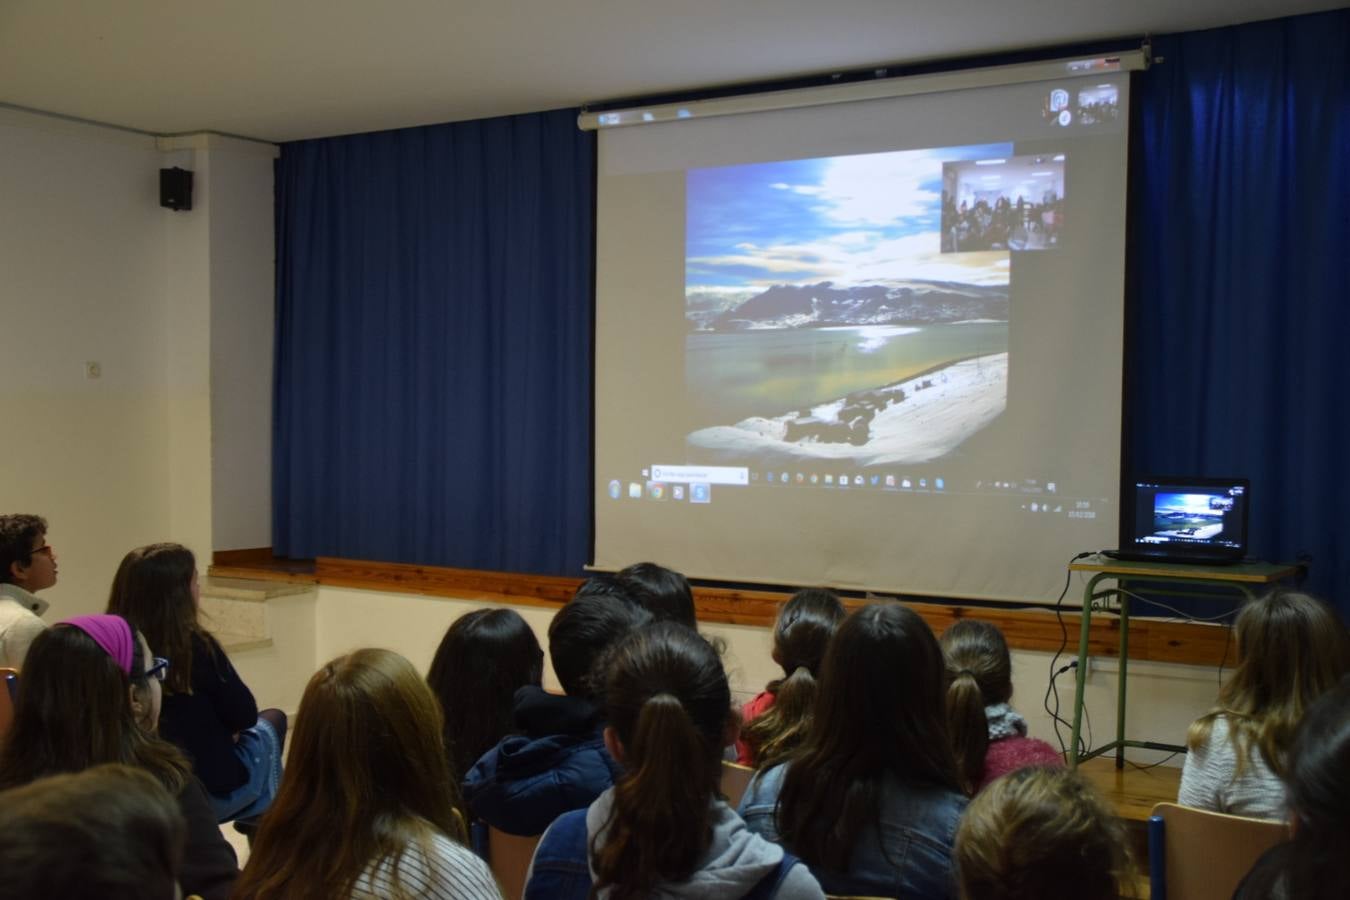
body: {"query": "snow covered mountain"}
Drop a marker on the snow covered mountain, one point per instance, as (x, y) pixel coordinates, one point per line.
(824, 304)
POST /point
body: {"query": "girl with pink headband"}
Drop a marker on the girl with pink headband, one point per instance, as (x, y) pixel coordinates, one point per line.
(90, 694)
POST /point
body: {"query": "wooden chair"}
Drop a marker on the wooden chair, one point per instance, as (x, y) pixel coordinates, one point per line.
(509, 857)
(10, 677)
(735, 779)
(1195, 854)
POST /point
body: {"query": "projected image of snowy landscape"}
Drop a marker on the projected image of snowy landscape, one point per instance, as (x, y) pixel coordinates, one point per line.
(825, 322)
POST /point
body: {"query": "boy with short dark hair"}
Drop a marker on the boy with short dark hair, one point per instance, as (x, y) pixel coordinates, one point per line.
(27, 565)
(558, 761)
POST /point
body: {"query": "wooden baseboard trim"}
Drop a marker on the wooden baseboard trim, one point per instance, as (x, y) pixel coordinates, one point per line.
(243, 557)
(1025, 629)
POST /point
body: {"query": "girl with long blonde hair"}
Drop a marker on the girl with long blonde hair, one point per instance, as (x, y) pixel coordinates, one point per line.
(1291, 649)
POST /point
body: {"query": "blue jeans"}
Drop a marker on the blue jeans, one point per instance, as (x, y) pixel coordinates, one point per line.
(260, 753)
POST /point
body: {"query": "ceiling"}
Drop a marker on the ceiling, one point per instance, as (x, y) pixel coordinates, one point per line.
(288, 69)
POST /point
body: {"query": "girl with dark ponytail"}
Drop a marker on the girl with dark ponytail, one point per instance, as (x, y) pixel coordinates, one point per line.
(663, 830)
(776, 720)
(988, 736)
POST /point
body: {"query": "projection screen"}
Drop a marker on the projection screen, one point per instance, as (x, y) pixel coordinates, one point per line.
(870, 345)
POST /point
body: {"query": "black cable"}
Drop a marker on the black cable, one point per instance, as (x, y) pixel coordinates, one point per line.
(1183, 616)
(1054, 713)
(1143, 768)
(1055, 670)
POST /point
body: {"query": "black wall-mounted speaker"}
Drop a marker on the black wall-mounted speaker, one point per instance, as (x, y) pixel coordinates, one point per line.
(175, 188)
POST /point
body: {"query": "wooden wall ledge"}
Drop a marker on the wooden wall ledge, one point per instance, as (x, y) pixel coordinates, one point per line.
(1025, 629)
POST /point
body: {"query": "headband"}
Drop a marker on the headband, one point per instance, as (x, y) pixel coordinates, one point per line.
(112, 633)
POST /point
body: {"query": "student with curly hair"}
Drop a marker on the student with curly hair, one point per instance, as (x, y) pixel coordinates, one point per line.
(27, 565)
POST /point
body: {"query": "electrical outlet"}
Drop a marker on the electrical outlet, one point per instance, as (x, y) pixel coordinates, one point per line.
(93, 369)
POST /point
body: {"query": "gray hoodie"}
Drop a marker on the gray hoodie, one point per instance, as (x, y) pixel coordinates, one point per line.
(735, 862)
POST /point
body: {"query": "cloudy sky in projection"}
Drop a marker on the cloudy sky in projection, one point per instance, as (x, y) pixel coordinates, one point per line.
(867, 219)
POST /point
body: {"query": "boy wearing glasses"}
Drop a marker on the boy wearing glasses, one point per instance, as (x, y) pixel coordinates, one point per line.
(27, 565)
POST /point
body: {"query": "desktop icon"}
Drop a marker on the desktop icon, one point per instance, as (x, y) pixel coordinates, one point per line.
(876, 479)
(700, 492)
(906, 483)
(801, 479)
(656, 490)
(634, 490)
(829, 479)
(857, 479)
(923, 482)
(784, 478)
(815, 479)
(939, 483)
(615, 489)
(890, 481)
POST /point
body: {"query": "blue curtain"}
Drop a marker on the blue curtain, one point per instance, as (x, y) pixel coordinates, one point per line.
(1241, 308)
(433, 345)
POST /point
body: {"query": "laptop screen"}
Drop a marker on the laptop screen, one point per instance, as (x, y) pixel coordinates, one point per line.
(1189, 518)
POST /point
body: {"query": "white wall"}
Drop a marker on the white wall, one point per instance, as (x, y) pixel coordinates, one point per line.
(82, 278)
(92, 269)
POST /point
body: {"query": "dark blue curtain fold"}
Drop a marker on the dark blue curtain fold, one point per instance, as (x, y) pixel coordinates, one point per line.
(1241, 309)
(433, 345)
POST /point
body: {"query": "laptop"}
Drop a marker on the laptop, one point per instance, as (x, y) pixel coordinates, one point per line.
(1190, 520)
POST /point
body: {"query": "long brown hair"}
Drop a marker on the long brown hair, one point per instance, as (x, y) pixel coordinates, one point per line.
(1291, 649)
(879, 715)
(366, 780)
(1319, 799)
(666, 697)
(1040, 834)
(153, 591)
(74, 712)
(485, 656)
(800, 635)
(979, 672)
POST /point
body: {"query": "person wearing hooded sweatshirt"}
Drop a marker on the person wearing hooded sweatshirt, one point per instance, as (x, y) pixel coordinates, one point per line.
(558, 761)
(663, 829)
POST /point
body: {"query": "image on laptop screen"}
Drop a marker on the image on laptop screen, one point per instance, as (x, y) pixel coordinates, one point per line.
(1189, 519)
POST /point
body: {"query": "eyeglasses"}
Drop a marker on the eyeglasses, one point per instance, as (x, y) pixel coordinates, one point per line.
(160, 670)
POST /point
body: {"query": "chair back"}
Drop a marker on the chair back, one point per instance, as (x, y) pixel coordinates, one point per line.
(1195, 854)
(509, 857)
(735, 779)
(7, 695)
